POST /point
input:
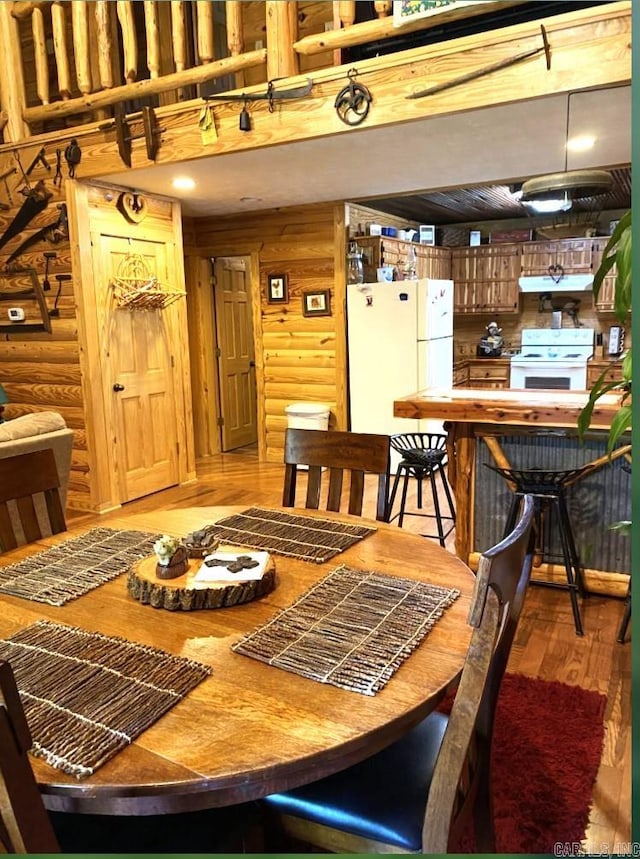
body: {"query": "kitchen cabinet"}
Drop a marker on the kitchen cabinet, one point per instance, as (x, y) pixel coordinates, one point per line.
(574, 256)
(604, 302)
(595, 369)
(461, 375)
(488, 372)
(486, 278)
(379, 251)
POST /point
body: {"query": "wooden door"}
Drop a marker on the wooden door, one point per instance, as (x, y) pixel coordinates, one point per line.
(236, 356)
(140, 380)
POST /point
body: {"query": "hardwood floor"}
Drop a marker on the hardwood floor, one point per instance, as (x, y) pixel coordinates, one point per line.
(546, 645)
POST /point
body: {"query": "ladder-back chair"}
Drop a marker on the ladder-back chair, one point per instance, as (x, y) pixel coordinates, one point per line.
(21, 477)
(417, 795)
(338, 452)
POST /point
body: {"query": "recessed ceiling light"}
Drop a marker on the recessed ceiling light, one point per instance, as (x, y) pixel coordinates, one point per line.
(183, 183)
(581, 143)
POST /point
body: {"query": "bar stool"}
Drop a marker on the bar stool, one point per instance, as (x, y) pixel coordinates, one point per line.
(423, 455)
(548, 489)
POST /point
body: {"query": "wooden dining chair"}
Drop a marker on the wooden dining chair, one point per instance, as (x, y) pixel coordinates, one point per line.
(24, 823)
(22, 477)
(419, 794)
(338, 452)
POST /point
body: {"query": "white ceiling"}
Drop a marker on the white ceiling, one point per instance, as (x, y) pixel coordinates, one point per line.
(496, 144)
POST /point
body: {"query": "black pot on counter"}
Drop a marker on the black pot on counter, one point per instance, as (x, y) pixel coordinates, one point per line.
(488, 349)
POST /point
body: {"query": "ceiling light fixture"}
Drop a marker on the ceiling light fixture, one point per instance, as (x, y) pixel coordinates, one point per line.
(183, 183)
(582, 143)
(568, 186)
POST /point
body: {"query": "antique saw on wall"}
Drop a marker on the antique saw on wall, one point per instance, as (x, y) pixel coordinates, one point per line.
(54, 233)
(37, 200)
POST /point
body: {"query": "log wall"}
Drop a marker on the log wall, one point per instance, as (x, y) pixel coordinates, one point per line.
(298, 358)
(40, 371)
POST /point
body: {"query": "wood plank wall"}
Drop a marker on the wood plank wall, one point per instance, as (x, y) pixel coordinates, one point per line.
(298, 358)
(41, 371)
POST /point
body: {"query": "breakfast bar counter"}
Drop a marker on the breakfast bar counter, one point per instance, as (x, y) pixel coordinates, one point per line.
(534, 429)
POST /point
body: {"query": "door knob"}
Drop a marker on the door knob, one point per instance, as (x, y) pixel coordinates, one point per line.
(118, 387)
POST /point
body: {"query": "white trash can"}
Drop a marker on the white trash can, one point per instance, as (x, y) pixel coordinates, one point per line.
(307, 416)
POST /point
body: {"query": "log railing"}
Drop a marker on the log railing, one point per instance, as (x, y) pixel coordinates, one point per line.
(97, 50)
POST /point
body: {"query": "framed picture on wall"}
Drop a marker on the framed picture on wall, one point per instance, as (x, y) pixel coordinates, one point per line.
(277, 291)
(316, 303)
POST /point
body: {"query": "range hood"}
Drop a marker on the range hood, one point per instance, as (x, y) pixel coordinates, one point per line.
(566, 283)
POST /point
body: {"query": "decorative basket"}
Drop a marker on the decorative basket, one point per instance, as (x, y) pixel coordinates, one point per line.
(136, 288)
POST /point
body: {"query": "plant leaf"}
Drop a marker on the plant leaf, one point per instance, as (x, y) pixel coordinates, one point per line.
(619, 425)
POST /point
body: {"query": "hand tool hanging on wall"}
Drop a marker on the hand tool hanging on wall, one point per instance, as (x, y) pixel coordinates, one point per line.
(3, 178)
(57, 179)
(272, 94)
(487, 70)
(151, 131)
(40, 158)
(72, 155)
(48, 256)
(353, 101)
(55, 232)
(61, 278)
(37, 201)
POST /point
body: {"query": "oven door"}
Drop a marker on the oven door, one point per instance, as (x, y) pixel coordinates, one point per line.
(548, 375)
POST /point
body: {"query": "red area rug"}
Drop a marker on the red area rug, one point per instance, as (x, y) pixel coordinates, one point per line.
(547, 746)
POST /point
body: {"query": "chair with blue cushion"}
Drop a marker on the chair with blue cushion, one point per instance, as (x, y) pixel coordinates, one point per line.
(418, 794)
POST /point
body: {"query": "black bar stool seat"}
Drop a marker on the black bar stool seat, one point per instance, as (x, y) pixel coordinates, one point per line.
(423, 456)
(548, 489)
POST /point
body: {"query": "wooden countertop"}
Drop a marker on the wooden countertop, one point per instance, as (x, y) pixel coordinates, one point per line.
(514, 407)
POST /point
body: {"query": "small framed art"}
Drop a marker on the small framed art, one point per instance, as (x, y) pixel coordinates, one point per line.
(316, 303)
(277, 291)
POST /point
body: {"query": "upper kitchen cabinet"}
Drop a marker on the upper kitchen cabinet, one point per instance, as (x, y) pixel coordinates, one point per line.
(378, 251)
(604, 303)
(568, 256)
(486, 278)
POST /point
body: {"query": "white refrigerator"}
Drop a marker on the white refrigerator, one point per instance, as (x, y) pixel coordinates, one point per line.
(400, 340)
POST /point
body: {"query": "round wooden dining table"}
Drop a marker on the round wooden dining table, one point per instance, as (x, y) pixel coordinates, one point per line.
(249, 729)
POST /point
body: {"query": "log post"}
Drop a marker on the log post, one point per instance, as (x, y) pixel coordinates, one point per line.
(383, 8)
(205, 31)
(60, 49)
(11, 77)
(282, 32)
(153, 37)
(40, 55)
(177, 34)
(130, 47)
(105, 43)
(81, 52)
(347, 12)
(235, 34)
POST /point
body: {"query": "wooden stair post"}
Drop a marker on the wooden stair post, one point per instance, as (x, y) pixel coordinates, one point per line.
(11, 77)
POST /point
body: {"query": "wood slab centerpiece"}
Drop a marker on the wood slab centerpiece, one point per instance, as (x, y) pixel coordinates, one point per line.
(228, 576)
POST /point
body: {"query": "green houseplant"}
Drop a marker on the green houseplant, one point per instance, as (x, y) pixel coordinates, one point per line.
(618, 252)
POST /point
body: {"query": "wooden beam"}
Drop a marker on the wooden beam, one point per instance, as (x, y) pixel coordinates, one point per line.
(140, 89)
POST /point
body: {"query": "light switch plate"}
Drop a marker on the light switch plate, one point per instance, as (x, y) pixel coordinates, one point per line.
(16, 314)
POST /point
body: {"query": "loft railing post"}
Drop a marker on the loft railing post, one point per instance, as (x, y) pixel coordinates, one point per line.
(130, 46)
(235, 34)
(81, 45)
(40, 55)
(205, 31)
(105, 43)
(153, 37)
(11, 77)
(282, 32)
(383, 8)
(177, 34)
(347, 12)
(60, 49)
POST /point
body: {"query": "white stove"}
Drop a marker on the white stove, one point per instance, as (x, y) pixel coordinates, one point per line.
(553, 358)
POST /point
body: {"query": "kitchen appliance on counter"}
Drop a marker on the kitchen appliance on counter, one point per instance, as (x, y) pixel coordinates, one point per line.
(552, 358)
(400, 340)
(490, 345)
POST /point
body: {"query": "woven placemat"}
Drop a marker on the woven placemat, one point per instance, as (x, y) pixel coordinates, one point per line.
(311, 539)
(75, 566)
(86, 695)
(353, 629)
